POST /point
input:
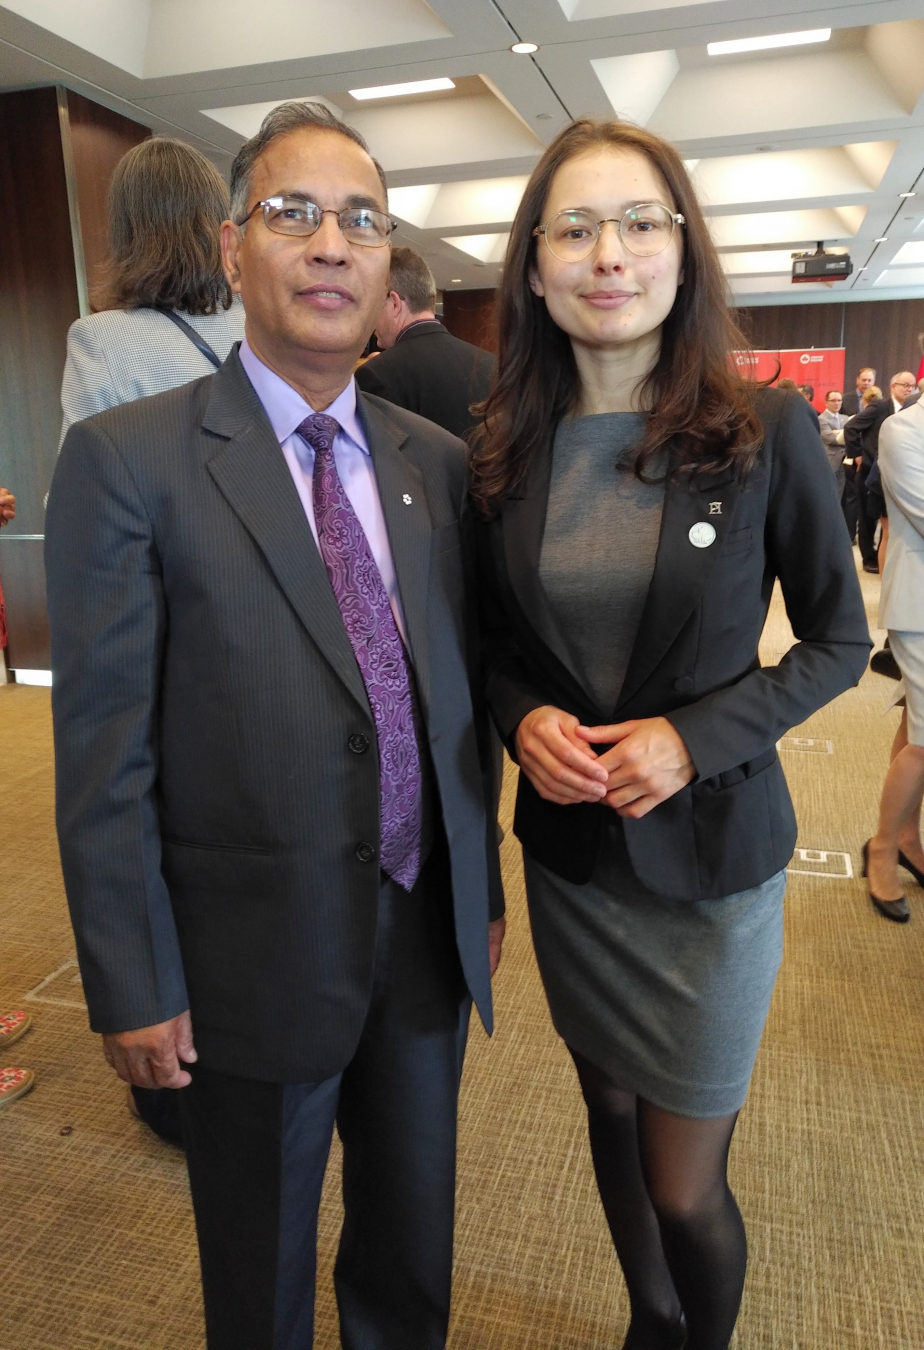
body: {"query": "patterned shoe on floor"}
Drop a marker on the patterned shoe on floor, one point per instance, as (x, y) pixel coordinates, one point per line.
(12, 1026)
(14, 1083)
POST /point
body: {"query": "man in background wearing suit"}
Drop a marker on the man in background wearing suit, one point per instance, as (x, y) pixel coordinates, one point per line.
(271, 804)
(850, 406)
(422, 366)
(861, 437)
(830, 422)
(865, 379)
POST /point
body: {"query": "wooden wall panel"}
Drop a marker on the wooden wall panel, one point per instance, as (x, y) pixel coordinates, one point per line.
(878, 333)
(99, 139)
(38, 302)
(469, 315)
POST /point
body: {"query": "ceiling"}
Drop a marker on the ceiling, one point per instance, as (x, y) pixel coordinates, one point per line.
(787, 146)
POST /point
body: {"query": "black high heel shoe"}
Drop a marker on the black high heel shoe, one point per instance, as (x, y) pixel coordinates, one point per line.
(910, 867)
(897, 910)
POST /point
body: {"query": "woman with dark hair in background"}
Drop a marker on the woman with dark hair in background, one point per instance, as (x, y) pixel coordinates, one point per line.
(165, 316)
(638, 503)
(165, 313)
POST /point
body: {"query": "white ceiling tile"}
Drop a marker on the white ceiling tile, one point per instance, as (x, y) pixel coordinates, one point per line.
(444, 131)
(779, 227)
(187, 35)
(413, 203)
(755, 264)
(635, 85)
(115, 30)
(246, 118)
(912, 252)
(901, 276)
(487, 248)
(766, 96)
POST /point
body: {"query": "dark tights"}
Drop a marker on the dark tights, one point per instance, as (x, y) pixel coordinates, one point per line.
(676, 1227)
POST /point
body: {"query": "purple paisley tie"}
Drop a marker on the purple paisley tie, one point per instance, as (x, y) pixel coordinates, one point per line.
(373, 633)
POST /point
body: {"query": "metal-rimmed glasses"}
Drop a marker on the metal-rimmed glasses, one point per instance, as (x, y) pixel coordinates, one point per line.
(291, 215)
(645, 230)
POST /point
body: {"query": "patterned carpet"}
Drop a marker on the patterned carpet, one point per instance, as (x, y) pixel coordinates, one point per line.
(95, 1227)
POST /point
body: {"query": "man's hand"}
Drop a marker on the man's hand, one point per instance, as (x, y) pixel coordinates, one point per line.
(648, 763)
(496, 930)
(7, 506)
(561, 767)
(150, 1057)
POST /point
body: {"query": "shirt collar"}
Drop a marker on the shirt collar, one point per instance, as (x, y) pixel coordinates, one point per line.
(285, 407)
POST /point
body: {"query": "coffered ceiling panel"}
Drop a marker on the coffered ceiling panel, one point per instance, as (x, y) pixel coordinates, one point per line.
(788, 144)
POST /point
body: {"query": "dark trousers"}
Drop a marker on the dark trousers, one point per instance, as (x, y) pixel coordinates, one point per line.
(867, 518)
(257, 1152)
(850, 504)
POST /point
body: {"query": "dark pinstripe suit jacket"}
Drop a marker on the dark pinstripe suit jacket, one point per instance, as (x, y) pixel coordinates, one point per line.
(214, 800)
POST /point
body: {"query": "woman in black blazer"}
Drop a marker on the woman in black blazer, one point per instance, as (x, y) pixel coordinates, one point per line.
(638, 501)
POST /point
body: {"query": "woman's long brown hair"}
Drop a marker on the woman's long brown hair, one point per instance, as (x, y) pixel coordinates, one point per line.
(697, 402)
(166, 205)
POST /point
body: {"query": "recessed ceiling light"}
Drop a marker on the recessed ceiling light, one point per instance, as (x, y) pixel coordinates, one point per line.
(455, 281)
(760, 44)
(543, 117)
(883, 239)
(907, 194)
(525, 48)
(411, 87)
(863, 268)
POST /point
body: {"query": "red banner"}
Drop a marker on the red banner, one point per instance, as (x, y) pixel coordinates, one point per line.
(821, 367)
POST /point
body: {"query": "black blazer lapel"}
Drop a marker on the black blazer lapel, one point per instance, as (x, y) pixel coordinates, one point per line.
(250, 470)
(682, 570)
(523, 525)
(410, 530)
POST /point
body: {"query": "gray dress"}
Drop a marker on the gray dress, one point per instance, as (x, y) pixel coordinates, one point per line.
(669, 998)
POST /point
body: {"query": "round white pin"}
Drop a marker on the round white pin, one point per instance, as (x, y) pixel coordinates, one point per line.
(702, 534)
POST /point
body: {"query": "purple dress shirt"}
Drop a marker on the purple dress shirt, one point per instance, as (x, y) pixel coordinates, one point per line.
(286, 410)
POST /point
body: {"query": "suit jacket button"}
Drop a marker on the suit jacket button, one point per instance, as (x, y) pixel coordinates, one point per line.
(684, 684)
(365, 853)
(358, 743)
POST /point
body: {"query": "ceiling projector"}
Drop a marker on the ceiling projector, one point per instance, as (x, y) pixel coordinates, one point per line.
(820, 266)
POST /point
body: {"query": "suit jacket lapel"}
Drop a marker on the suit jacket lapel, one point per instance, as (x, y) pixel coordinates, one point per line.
(523, 525)
(249, 469)
(410, 529)
(682, 570)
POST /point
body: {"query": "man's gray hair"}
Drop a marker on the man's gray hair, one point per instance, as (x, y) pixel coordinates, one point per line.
(287, 117)
(412, 279)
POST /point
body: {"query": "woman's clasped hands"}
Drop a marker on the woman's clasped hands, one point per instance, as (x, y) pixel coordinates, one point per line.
(647, 761)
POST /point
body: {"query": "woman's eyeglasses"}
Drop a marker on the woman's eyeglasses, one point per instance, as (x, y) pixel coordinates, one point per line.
(645, 230)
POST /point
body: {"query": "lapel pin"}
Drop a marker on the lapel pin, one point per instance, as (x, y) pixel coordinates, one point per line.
(702, 534)
(715, 508)
(407, 499)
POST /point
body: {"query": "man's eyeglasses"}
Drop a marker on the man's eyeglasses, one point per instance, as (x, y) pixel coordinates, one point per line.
(295, 216)
(645, 230)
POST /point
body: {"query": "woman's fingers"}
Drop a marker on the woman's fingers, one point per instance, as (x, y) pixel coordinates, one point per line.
(559, 767)
(605, 735)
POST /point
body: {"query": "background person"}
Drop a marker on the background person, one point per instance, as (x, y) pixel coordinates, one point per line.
(422, 366)
(897, 841)
(625, 589)
(166, 205)
(831, 421)
(852, 404)
(271, 802)
(861, 436)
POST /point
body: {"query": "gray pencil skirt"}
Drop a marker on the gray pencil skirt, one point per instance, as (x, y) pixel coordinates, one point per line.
(667, 997)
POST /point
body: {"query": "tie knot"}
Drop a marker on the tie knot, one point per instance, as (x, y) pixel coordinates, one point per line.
(319, 431)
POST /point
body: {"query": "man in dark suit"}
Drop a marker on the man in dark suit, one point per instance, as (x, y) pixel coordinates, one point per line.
(271, 804)
(422, 366)
(861, 437)
(866, 378)
(850, 406)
